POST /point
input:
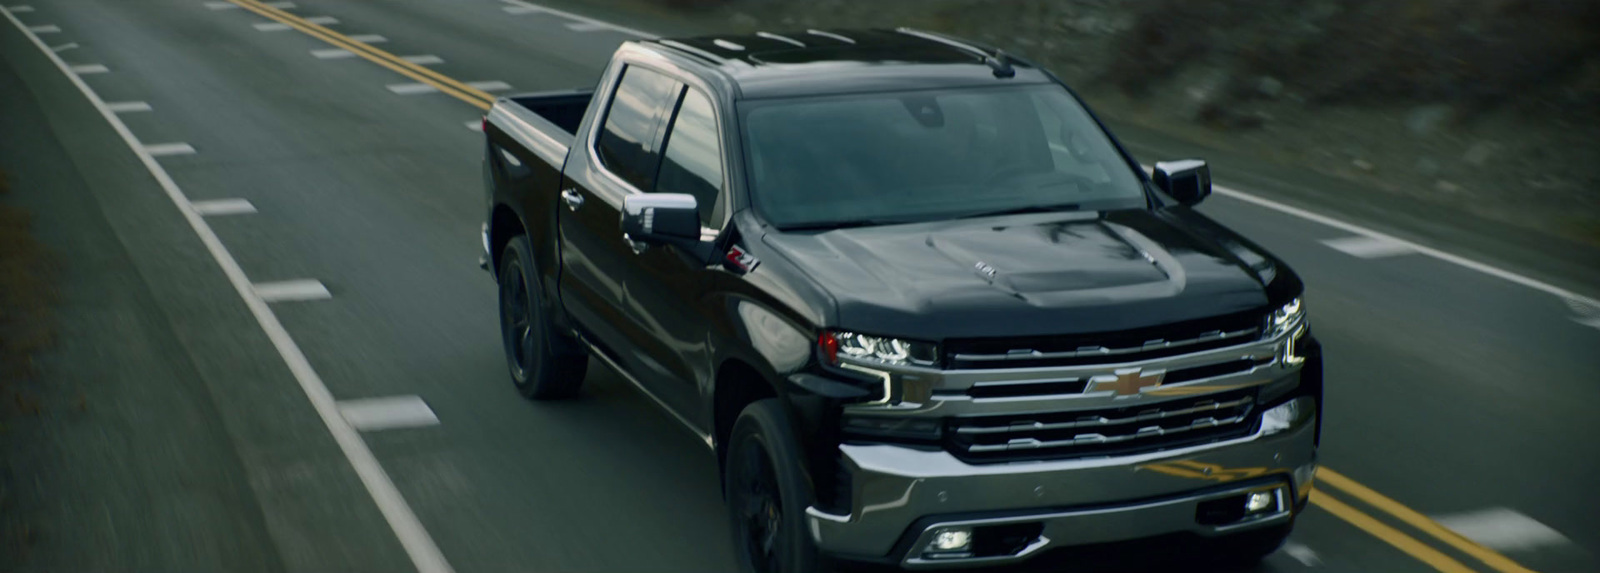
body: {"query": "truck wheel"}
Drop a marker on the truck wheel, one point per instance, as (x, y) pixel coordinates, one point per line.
(545, 365)
(767, 493)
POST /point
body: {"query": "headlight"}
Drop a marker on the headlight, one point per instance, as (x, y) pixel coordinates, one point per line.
(849, 345)
(1286, 415)
(1285, 319)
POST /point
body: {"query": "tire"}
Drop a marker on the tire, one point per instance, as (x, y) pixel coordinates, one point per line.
(544, 364)
(767, 494)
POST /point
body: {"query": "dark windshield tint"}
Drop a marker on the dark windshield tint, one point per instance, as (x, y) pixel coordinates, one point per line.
(930, 155)
(643, 98)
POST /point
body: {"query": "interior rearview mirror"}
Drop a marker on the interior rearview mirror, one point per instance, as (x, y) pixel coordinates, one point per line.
(1187, 180)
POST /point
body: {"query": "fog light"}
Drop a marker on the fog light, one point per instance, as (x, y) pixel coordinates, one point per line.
(951, 539)
(1258, 502)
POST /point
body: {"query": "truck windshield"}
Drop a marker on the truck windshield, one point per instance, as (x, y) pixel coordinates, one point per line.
(929, 155)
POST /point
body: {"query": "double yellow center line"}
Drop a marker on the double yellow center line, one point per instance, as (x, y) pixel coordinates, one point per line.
(443, 83)
(1330, 481)
(1333, 481)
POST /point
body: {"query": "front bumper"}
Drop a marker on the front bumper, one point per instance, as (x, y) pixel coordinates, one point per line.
(900, 495)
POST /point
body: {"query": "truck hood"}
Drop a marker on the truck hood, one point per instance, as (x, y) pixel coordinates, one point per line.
(1023, 275)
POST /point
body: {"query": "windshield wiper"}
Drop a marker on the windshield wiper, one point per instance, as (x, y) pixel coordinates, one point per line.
(1024, 210)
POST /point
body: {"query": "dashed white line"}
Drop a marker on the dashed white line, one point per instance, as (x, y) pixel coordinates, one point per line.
(586, 26)
(423, 59)
(413, 537)
(332, 54)
(1502, 528)
(221, 6)
(215, 207)
(45, 29)
(389, 413)
(20, 9)
(64, 47)
(521, 9)
(295, 290)
(1368, 247)
(368, 38)
(89, 69)
(585, 19)
(271, 26)
(322, 20)
(490, 86)
(1301, 553)
(164, 149)
(127, 106)
(412, 88)
(475, 125)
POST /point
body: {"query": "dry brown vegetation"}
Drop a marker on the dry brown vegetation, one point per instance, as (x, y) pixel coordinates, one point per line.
(25, 298)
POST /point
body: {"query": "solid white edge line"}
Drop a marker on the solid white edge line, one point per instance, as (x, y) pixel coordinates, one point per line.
(585, 19)
(1367, 247)
(419, 546)
(1423, 249)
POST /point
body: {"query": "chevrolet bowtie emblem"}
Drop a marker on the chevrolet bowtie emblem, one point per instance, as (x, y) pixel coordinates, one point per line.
(1126, 381)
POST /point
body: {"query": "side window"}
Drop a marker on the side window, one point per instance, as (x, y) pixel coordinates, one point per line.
(642, 98)
(693, 160)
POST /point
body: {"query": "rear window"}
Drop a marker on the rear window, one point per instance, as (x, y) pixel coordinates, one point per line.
(626, 145)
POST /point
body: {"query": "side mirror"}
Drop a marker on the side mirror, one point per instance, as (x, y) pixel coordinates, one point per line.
(661, 218)
(1188, 180)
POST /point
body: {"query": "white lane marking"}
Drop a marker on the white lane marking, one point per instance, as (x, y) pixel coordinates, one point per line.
(475, 125)
(20, 9)
(1429, 251)
(419, 546)
(280, 5)
(215, 207)
(586, 26)
(521, 9)
(584, 19)
(1502, 528)
(1301, 553)
(490, 86)
(411, 88)
(322, 20)
(1367, 247)
(127, 106)
(388, 413)
(368, 38)
(290, 291)
(89, 69)
(164, 149)
(1587, 314)
(332, 54)
(271, 26)
(221, 6)
(423, 59)
(45, 29)
(65, 47)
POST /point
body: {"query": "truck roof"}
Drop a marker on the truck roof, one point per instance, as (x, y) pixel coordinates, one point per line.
(766, 64)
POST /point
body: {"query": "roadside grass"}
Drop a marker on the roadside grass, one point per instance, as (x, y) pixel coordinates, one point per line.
(25, 298)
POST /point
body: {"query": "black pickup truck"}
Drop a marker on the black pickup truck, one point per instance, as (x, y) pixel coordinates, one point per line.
(924, 308)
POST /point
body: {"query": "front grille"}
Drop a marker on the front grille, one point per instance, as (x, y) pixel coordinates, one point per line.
(1069, 386)
(1104, 347)
(1127, 430)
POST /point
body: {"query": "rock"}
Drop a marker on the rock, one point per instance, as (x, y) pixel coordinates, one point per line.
(1269, 86)
(1446, 186)
(1427, 166)
(1479, 153)
(1426, 119)
(1362, 165)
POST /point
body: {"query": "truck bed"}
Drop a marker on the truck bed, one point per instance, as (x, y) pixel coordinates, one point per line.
(565, 109)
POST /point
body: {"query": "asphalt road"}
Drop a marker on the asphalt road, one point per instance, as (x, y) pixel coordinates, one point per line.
(1451, 392)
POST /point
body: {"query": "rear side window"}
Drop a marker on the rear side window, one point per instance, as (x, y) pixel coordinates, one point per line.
(692, 162)
(642, 99)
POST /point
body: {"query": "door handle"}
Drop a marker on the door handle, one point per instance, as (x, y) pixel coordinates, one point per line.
(573, 199)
